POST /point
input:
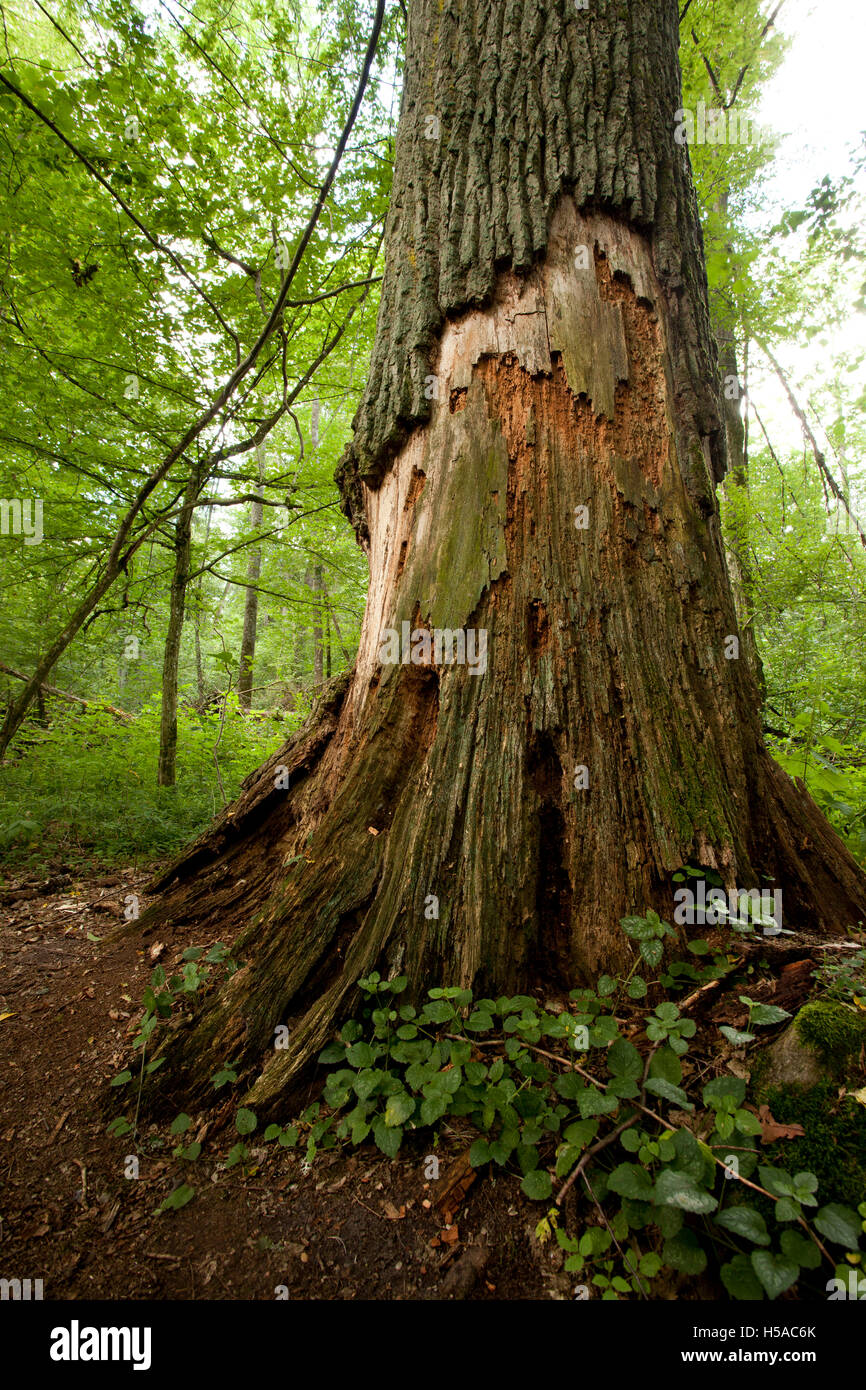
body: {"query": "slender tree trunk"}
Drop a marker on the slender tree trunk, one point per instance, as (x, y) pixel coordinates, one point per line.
(736, 486)
(166, 766)
(199, 667)
(317, 584)
(533, 467)
(251, 603)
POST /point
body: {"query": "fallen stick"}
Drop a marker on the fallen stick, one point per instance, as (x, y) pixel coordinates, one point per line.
(71, 699)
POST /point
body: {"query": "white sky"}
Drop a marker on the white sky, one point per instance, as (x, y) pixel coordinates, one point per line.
(818, 102)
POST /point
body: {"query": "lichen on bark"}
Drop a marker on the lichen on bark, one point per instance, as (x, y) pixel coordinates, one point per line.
(506, 107)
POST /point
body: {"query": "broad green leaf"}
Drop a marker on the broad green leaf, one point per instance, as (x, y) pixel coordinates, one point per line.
(746, 1222)
(776, 1272)
(537, 1185)
(840, 1225)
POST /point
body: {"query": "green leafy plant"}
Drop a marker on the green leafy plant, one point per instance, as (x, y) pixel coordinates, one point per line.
(508, 1068)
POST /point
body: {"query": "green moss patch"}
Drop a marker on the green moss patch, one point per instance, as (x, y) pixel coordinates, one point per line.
(834, 1145)
(835, 1032)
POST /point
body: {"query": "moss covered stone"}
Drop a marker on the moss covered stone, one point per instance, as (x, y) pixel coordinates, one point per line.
(833, 1146)
(834, 1032)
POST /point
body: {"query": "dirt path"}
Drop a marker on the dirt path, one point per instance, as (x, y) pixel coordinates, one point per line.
(354, 1226)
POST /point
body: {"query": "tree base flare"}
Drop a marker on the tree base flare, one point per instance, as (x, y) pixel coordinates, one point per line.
(548, 715)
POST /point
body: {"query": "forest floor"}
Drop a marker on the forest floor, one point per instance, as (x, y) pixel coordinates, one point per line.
(354, 1226)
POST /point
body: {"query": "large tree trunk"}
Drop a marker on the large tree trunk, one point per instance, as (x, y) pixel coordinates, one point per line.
(535, 460)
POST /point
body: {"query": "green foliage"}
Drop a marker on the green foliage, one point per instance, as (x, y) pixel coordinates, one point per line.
(88, 783)
(504, 1066)
(842, 977)
(159, 179)
(177, 1199)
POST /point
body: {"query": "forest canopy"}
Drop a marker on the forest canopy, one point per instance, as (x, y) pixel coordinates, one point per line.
(160, 166)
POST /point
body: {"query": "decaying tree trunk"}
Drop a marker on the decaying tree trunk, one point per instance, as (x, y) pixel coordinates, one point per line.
(534, 467)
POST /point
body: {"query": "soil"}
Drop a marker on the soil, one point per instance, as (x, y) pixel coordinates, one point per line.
(354, 1226)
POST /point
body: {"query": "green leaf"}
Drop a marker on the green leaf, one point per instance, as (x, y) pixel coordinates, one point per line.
(433, 1107)
(763, 1015)
(245, 1121)
(652, 952)
(581, 1133)
(180, 1124)
(734, 1036)
(570, 1086)
(623, 1059)
(360, 1054)
(226, 1076)
(776, 1180)
(650, 1264)
(437, 1012)
(669, 1221)
(668, 1013)
(682, 1252)
(776, 1272)
(399, 1108)
(122, 1078)
(746, 1222)
(630, 1180)
(176, 1199)
(479, 1154)
(637, 928)
(747, 1123)
(675, 1094)
(537, 1185)
(677, 1189)
(566, 1158)
(388, 1137)
(594, 1102)
(740, 1279)
(839, 1224)
(594, 1242)
(479, 1022)
(605, 1030)
(334, 1052)
(801, 1251)
(667, 1066)
(724, 1088)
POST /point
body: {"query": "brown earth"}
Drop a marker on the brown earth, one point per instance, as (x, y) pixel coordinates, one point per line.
(355, 1226)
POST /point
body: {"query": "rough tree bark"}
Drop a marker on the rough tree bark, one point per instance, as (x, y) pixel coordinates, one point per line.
(535, 457)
